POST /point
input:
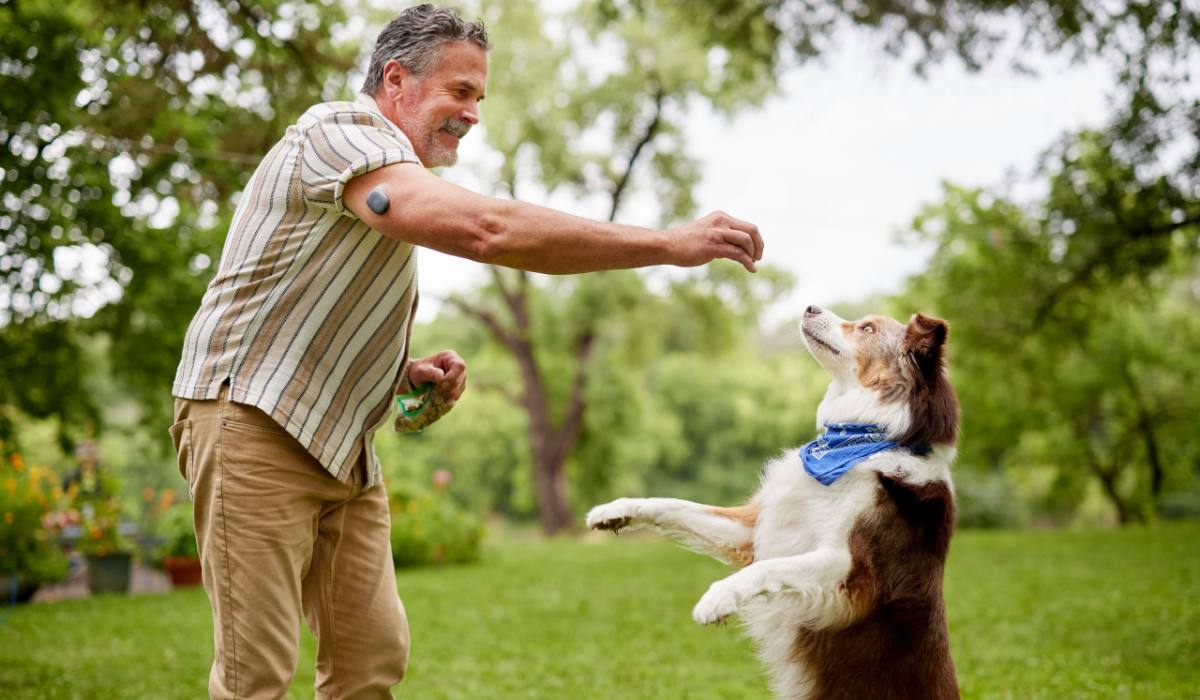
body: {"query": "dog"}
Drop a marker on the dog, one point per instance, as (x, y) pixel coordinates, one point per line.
(843, 546)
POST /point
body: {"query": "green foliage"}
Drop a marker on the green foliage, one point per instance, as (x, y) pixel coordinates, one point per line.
(178, 531)
(95, 499)
(1032, 615)
(123, 138)
(28, 497)
(429, 527)
(1074, 331)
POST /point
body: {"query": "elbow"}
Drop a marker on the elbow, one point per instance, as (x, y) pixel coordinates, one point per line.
(486, 243)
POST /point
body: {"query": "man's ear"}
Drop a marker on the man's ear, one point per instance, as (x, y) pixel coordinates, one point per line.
(924, 342)
(395, 79)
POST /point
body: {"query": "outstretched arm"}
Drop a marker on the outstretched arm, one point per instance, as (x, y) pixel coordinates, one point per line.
(428, 211)
(726, 534)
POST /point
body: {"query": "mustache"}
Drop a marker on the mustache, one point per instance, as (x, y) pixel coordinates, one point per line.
(457, 127)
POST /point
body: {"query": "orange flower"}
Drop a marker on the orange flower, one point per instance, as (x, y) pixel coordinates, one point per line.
(8, 518)
(95, 533)
(17, 461)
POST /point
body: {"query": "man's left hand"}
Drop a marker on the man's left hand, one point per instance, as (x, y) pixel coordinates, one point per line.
(446, 370)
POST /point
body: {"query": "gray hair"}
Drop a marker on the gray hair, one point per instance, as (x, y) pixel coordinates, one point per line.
(415, 37)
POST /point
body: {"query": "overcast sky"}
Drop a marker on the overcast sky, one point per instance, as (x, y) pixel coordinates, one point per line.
(844, 156)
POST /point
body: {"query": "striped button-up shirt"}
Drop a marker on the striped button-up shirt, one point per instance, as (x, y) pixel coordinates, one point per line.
(308, 315)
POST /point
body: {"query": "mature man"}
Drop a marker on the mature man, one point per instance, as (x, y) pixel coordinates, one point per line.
(301, 343)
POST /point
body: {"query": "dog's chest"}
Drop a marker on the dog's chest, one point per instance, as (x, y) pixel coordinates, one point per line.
(800, 514)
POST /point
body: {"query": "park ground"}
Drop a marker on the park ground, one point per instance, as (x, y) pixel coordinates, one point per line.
(1093, 614)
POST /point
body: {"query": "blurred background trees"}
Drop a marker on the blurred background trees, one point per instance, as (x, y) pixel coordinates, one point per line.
(128, 130)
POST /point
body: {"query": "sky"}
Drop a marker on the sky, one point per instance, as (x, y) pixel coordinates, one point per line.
(835, 165)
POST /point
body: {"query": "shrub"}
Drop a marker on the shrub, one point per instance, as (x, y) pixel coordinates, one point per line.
(178, 531)
(99, 513)
(1180, 505)
(429, 527)
(985, 501)
(28, 496)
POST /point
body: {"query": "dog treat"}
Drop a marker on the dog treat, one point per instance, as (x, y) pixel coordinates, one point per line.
(415, 412)
(377, 200)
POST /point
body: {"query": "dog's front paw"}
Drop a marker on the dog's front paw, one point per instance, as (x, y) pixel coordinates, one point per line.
(722, 600)
(612, 516)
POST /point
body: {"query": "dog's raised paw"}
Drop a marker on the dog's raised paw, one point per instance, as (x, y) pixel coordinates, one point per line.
(610, 516)
(718, 603)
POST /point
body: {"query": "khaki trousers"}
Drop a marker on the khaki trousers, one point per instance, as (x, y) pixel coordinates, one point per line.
(280, 538)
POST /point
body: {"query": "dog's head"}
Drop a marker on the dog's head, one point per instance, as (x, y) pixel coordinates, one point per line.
(886, 373)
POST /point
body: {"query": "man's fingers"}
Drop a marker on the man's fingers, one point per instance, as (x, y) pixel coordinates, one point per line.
(735, 253)
(740, 239)
(751, 230)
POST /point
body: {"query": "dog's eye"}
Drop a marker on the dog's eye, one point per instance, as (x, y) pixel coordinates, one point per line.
(867, 328)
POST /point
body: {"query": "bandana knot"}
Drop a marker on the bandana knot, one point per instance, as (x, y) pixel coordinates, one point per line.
(842, 446)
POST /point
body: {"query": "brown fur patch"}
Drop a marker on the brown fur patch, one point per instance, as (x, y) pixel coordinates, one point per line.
(747, 515)
(898, 647)
(906, 363)
(877, 357)
(933, 405)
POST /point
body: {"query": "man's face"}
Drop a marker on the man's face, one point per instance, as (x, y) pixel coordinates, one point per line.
(437, 109)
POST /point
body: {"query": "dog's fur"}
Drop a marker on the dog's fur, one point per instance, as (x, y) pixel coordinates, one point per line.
(841, 585)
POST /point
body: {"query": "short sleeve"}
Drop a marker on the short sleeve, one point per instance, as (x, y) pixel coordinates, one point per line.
(340, 146)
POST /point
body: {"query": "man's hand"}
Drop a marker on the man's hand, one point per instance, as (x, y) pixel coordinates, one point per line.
(446, 370)
(717, 235)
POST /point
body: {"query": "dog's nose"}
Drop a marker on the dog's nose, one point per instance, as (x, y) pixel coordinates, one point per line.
(812, 310)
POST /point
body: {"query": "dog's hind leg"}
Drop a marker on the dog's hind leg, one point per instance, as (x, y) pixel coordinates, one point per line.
(722, 533)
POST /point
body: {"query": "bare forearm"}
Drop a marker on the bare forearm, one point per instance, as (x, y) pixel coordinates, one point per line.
(538, 239)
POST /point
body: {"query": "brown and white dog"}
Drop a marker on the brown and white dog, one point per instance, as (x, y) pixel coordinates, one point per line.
(841, 585)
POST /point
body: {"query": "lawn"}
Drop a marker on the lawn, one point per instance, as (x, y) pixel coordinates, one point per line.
(1032, 615)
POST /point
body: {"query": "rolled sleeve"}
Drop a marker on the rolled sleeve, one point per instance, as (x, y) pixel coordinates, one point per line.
(339, 147)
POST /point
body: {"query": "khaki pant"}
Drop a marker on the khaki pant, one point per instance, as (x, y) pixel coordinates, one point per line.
(280, 538)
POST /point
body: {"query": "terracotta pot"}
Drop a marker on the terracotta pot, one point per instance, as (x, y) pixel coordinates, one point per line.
(183, 571)
(109, 573)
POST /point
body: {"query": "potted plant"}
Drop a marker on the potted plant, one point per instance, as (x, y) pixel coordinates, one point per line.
(108, 553)
(180, 558)
(29, 555)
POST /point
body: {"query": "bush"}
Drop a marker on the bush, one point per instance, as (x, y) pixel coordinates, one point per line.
(1180, 505)
(985, 501)
(178, 532)
(28, 497)
(99, 512)
(429, 527)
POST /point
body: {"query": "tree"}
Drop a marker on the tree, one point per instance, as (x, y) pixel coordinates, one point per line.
(125, 135)
(1061, 312)
(560, 123)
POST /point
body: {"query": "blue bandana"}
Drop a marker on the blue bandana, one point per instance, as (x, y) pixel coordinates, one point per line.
(840, 447)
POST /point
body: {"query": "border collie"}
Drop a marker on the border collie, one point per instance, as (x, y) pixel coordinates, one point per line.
(843, 546)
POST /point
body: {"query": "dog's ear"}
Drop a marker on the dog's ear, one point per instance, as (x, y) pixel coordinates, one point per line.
(933, 405)
(924, 343)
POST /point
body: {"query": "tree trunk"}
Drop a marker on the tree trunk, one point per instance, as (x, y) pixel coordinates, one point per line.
(1146, 429)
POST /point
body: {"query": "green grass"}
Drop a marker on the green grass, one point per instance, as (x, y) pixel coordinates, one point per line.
(1032, 615)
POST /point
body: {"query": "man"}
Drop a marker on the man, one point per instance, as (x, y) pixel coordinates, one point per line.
(301, 343)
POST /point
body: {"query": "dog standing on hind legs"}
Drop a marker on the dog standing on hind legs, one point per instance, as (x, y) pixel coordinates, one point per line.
(843, 547)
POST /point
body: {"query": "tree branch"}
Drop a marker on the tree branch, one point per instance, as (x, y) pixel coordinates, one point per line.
(488, 319)
(647, 137)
